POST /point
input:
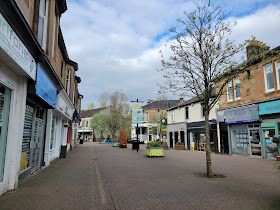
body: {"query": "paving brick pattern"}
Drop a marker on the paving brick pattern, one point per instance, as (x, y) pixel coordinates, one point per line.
(99, 176)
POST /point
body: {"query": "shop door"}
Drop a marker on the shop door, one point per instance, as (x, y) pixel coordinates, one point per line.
(255, 141)
(171, 139)
(270, 147)
(182, 136)
(36, 145)
(176, 135)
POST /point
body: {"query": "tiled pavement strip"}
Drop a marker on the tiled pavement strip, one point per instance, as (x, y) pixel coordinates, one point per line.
(99, 176)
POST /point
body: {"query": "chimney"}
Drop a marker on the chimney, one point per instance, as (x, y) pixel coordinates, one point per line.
(255, 48)
(181, 99)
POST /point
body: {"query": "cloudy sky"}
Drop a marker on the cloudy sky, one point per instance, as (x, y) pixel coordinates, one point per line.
(116, 42)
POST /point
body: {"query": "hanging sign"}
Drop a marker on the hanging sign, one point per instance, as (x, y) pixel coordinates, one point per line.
(137, 113)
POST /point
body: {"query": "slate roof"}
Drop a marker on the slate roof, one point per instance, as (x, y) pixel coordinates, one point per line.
(91, 112)
(162, 104)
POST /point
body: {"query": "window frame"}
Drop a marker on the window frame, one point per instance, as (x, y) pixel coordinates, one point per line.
(45, 24)
(229, 85)
(68, 80)
(265, 78)
(234, 87)
(173, 115)
(187, 116)
(277, 73)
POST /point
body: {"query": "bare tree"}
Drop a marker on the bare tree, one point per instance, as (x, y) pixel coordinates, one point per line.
(104, 99)
(118, 113)
(91, 106)
(201, 54)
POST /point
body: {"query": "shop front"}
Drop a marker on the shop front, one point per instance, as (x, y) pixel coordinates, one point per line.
(177, 133)
(270, 113)
(244, 131)
(196, 136)
(41, 97)
(17, 66)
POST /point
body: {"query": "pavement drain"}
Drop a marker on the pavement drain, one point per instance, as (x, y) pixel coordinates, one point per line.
(204, 175)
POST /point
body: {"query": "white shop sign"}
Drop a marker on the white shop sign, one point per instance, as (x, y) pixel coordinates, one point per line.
(14, 47)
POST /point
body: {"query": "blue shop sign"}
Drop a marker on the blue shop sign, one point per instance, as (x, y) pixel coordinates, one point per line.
(44, 88)
(269, 107)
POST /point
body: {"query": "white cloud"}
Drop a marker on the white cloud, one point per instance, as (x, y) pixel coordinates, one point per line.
(117, 43)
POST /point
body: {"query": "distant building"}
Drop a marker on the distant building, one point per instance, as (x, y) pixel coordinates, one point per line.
(85, 128)
(153, 112)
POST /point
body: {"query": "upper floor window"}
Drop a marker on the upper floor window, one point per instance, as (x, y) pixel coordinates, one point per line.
(229, 91)
(42, 24)
(187, 112)
(147, 116)
(54, 35)
(202, 110)
(277, 66)
(236, 88)
(86, 123)
(173, 116)
(68, 81)
(268, 78)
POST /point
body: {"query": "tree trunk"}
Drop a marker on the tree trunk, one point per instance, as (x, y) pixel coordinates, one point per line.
(208, 150)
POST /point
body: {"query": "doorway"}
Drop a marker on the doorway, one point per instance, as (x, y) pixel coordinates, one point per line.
(171, 139)
(182, 136)
(255, 142)
(176, 137)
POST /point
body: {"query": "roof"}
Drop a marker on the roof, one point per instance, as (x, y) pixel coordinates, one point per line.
(91, 112)
(191, 101)
(162, 104)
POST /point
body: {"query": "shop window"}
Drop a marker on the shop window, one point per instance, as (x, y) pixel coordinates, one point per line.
(229, 91)
(53, 132)
(268, 77)
(42, 24)
(187, 112)
(5, 97)
(236, 88)
(277, 66)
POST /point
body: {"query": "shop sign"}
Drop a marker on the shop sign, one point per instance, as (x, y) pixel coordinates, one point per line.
(221, 116)
(242, 114)
(137, 113)
(44, 88)
(269, 107)
(62, 106)
(14, 47)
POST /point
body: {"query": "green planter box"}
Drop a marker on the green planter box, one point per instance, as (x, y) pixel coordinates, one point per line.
(154, 151)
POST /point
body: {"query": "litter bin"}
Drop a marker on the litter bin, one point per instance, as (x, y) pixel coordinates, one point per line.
(63, 151)
(135, 144)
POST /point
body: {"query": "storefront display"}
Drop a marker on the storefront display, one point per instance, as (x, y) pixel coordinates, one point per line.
(239, 139)
(5, 98)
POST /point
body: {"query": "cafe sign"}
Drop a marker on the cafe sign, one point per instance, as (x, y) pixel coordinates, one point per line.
(11, 44)
(242, 114)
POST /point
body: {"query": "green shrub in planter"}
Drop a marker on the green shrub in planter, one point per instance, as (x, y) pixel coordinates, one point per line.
(154, 149)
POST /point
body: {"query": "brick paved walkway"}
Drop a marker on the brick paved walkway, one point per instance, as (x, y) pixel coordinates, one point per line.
(99, 176)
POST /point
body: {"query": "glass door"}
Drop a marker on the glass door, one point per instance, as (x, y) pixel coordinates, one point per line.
(270, 147)
(255, 141)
